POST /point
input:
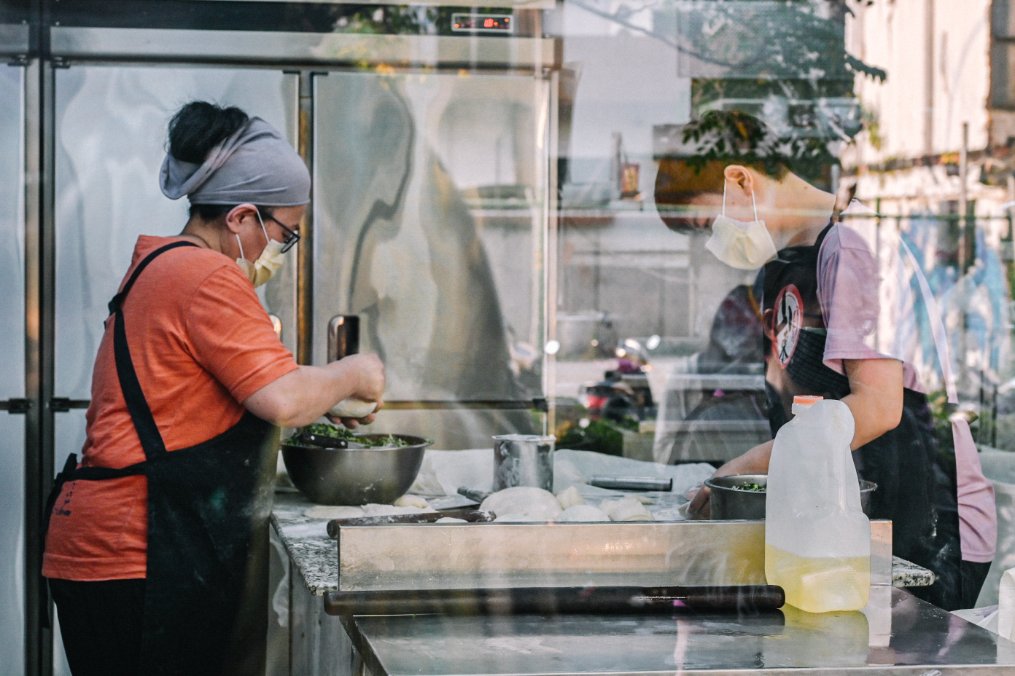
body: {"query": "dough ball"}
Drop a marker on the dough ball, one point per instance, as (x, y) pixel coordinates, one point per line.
(353, 408)
(522, 517)
(582, 513)
(627, 508)
(333, 512)
(412, 501)
(522, 503)
(374, 509)
(569, 497)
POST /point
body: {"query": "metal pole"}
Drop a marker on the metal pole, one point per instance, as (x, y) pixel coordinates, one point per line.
(40, 238)
(550, 236)
(963, 249)
(305, 252)
(929, 64)
(38, 641)
(963, 196)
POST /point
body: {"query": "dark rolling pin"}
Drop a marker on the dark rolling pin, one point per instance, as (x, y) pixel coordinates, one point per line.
(632, 483)
(556, 600)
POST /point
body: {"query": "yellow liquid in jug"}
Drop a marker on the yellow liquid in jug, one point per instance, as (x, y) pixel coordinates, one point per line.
(819, 585)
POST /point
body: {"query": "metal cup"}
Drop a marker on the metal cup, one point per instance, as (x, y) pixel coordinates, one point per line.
(523, 460)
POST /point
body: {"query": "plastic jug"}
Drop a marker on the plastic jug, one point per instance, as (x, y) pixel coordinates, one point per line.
(817, 539)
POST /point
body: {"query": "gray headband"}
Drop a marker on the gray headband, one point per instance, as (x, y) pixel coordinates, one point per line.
(256, 164)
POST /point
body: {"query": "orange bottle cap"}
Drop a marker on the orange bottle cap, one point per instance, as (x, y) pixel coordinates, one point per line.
(806, 399)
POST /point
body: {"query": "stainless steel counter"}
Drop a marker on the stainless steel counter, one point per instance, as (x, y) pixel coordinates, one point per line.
(306, 541)
(906, 635)
(896, 633)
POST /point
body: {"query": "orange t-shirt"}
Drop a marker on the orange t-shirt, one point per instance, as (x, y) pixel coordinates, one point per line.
(201, 343)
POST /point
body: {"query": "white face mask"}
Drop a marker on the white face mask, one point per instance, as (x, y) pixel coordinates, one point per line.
(739, 244)
(267, 264)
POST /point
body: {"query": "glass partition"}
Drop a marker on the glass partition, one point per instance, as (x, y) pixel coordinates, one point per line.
(430, 223)
(635, 211)
(110, 135)
(659, 340)
(12, 367)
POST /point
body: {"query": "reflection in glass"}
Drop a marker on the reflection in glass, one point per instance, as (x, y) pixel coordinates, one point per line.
(110, 135)
(429, 223)
(12, 368)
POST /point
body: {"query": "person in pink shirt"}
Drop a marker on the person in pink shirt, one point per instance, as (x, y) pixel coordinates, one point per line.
(829, 307)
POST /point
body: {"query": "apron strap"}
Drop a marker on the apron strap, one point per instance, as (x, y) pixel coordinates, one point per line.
(137, 405)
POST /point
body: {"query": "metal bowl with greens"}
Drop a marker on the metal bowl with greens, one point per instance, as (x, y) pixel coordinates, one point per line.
(742, 496)
(334, 466)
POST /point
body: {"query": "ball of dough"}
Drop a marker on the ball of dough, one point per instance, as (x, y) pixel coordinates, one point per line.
(627, 508)
(353, 408)
(569, 497)
(413, 501)
(582, 513)
(333, 512)
(522, 503)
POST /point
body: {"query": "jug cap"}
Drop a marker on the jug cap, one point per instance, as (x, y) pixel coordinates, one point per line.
(803, 401)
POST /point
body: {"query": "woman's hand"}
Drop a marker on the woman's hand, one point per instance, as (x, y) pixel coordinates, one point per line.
(353, 423)
(754, 461)
(369, 373)
(368, 370)
(302, 396)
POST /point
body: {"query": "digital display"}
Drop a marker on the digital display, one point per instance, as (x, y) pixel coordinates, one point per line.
(481, 23)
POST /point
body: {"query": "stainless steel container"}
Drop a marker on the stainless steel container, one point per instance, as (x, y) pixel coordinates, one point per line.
(355, 476)
(523, 460)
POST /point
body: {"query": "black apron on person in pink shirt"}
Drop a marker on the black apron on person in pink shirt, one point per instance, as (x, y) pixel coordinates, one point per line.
(913, 464)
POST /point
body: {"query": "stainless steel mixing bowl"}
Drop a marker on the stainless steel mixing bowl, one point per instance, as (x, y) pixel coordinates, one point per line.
(355, 476)
(727, 501)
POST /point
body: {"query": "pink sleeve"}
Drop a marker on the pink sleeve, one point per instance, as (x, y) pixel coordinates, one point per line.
(848, 293)
(977, 509)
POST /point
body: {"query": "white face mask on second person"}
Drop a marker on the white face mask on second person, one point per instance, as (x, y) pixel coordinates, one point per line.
(267, 264)
(745, 245)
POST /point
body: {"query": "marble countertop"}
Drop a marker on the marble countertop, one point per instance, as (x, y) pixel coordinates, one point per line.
(308, 545)
(306, 541)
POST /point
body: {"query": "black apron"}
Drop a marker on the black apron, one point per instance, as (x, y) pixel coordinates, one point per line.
(208, 508)
(913, 464)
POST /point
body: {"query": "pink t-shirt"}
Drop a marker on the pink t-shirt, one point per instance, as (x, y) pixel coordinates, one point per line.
(857, 330)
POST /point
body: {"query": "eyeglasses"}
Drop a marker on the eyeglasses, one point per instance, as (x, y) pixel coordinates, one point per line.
(291, 236)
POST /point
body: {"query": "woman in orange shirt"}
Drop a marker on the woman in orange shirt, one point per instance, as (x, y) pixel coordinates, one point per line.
(158, 538)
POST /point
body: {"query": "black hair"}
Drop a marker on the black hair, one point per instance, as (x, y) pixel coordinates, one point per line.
(209, 212)
(721, 138)
(199, 126)
(194, 130)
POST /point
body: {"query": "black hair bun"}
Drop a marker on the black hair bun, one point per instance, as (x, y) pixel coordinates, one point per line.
(199, 126)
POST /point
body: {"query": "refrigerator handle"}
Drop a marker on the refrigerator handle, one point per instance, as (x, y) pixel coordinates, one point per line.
(343, 336)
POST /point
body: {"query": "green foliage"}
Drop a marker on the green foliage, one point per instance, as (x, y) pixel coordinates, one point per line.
(733, 136)
(599, 435)
(855, 65)
(872, 124)
(783, 62)
(787, 40)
